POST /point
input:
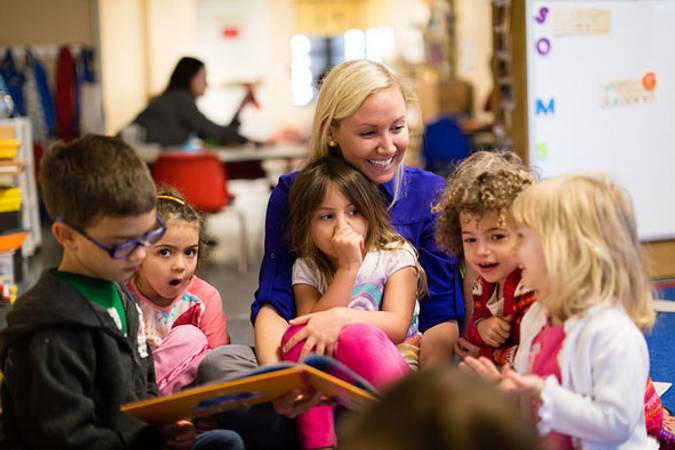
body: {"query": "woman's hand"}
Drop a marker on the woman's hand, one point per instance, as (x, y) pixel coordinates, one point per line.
(296, 402)
(464, 348)
(347, 244)
(249, 98)
(494, 331)
(320, 332)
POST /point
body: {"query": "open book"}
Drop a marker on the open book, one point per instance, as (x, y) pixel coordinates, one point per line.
(335, 380)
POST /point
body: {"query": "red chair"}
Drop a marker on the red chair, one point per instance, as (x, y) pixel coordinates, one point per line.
(202, 179)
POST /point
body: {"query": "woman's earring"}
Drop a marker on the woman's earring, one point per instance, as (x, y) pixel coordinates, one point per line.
(332, 143)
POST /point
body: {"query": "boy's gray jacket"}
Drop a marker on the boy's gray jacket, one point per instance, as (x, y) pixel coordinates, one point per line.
(68, 369)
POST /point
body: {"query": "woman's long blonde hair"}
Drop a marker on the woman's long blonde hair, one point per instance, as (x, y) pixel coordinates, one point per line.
(342, 92)
(590, 243)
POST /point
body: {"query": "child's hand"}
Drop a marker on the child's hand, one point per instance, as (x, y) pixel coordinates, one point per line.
(494, 331)
(464, 348)
(347, 244)
(525, 384)
(508, 379)
(180, 435)
(482, 367)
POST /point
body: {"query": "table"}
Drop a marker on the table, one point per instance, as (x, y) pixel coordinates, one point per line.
(247, 152)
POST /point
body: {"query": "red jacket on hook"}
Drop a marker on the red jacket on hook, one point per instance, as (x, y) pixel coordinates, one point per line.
(66, 95)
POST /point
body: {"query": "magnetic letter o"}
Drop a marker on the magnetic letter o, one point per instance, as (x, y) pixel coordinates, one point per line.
(543, 46)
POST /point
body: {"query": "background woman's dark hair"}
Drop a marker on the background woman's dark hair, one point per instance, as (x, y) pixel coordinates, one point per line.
(183, 73)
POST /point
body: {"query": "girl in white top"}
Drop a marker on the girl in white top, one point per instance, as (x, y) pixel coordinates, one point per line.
(588, 363)
(350, 260)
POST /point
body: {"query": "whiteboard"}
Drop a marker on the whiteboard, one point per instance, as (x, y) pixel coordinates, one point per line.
(601, 98)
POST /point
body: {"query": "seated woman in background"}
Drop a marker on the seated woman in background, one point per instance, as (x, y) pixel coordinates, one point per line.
(172, 117)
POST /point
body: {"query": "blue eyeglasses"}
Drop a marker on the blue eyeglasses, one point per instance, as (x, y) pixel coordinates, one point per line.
(126, 248)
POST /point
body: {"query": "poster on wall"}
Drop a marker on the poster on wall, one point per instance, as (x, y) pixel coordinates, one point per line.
(228, 36)
(601, 98)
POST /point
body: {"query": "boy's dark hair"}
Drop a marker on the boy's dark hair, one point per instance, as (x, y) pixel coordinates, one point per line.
(95, 176)
(440, 410)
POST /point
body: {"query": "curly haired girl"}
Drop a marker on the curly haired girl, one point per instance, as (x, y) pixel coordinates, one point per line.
(474, 223)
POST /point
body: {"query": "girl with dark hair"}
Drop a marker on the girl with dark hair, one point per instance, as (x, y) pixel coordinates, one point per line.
(350, 260)
(172, 117)
(182, 314)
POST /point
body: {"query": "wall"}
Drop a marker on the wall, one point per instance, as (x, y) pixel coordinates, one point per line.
(31, 22)
(147, 37)
(170, 35)
(474, 48)
(123, 60)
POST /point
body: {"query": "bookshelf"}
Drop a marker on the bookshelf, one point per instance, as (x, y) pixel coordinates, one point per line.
(509, 69)
(19, 171)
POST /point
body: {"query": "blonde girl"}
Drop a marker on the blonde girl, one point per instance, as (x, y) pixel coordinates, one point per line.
(579, 249)
(349, 260)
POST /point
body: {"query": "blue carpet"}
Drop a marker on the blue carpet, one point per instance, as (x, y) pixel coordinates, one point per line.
(665, 289)
(661, 343)
(665, 293)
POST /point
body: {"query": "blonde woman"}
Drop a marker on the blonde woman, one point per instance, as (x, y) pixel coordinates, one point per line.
(587, 360)
(361, 116)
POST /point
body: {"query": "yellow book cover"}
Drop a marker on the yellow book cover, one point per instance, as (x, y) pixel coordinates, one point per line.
(336, 381)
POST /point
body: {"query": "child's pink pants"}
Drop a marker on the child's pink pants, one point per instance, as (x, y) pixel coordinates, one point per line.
(366, 350)
(177, 358)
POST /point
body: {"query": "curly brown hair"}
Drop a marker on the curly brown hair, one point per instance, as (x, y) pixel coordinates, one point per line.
(484, 182)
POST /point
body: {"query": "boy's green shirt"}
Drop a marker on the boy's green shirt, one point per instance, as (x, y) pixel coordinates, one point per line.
(102, 292)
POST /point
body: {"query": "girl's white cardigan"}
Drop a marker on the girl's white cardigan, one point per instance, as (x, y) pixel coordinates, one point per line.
(604, 364)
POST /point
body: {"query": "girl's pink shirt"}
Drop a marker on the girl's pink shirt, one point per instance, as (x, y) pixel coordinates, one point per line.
(159, 319)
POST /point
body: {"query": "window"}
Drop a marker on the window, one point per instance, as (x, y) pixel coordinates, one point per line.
(311, 57)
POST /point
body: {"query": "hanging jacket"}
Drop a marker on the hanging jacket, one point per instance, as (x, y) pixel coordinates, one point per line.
(39, 102)
(67, 122)
(91, 96)
(36, 70)
(14, 81)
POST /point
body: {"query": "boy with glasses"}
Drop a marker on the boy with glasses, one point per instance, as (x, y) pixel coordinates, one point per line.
(75, 348)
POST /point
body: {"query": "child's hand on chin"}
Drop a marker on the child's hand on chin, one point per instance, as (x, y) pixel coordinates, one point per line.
(348, 245)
